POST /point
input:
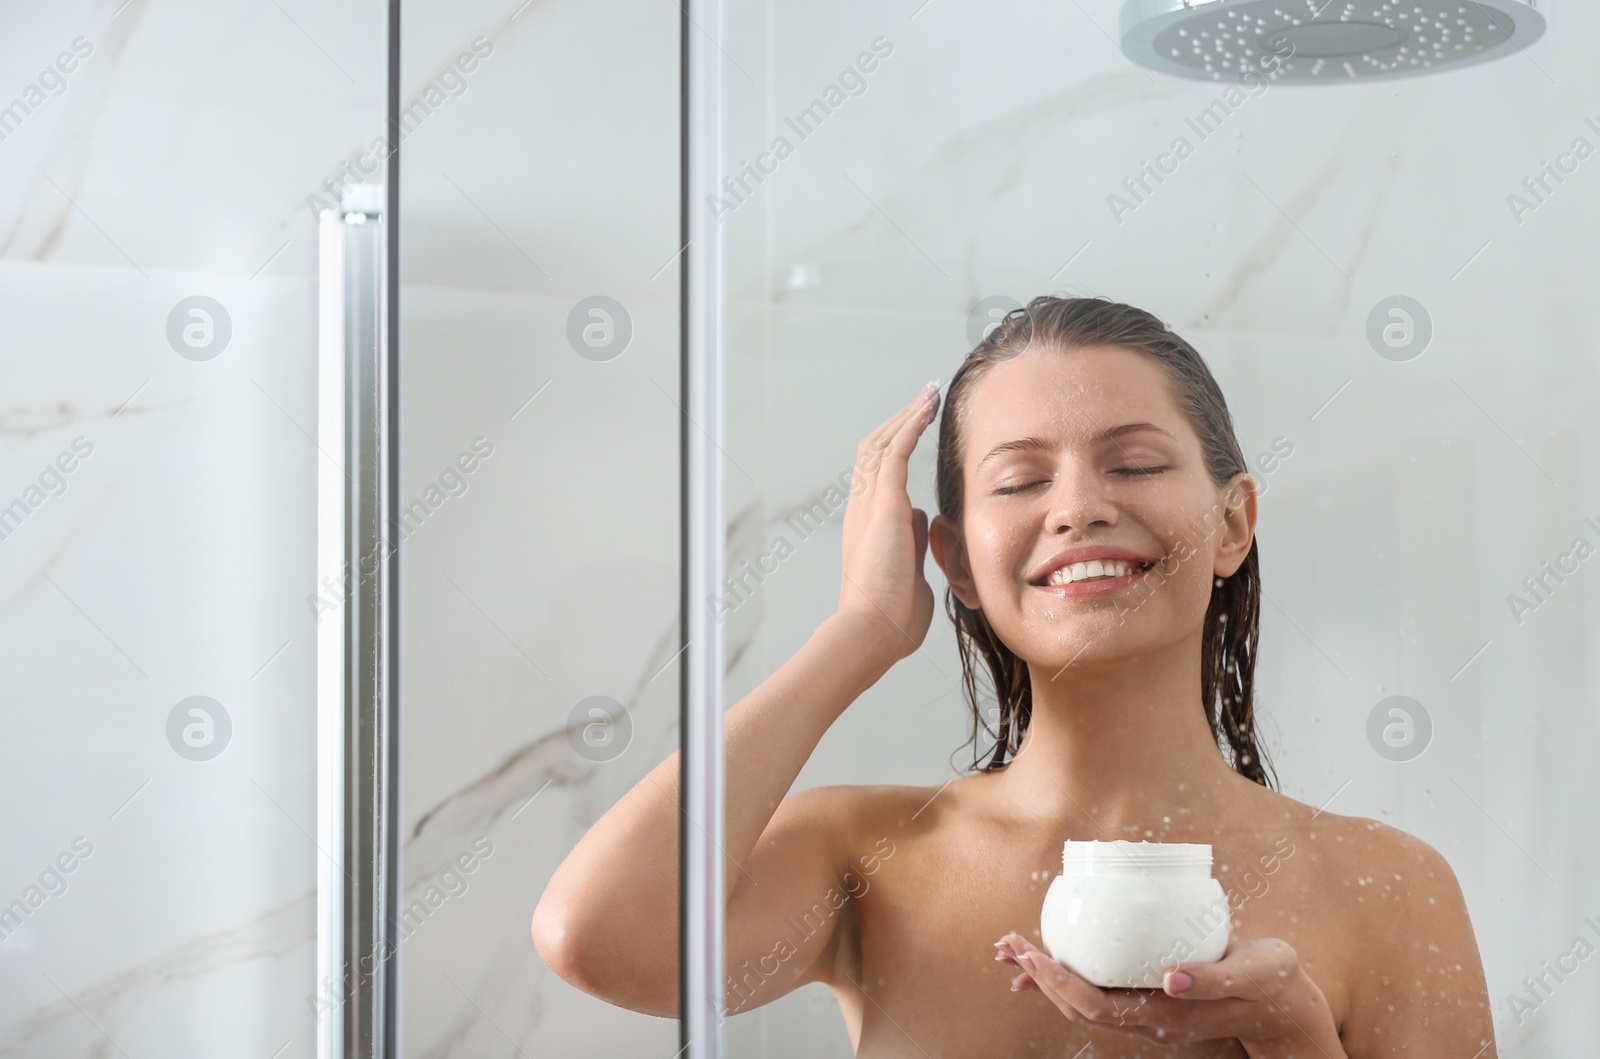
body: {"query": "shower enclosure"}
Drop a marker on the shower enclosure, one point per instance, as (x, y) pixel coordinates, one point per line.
(424, 418)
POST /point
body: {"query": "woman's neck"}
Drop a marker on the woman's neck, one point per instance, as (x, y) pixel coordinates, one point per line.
(1119, 748)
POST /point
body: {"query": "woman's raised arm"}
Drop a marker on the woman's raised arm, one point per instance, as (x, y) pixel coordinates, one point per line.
(608, 920)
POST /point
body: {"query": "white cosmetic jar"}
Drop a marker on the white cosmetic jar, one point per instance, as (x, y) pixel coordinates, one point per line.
(1121, 913)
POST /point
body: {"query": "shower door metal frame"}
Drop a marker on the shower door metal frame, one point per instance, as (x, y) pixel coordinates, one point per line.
(700, 823)
(358, 641)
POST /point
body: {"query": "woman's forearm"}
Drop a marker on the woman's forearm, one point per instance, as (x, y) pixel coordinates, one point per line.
(771, 733)
(618, 888)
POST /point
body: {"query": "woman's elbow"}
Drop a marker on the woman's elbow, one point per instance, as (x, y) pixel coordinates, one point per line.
(556, 941)
(585, 959)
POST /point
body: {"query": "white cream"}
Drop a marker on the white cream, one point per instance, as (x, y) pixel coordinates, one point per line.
(1123, 912)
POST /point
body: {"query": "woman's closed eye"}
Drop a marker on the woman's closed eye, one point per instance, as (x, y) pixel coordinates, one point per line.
(1131, 472)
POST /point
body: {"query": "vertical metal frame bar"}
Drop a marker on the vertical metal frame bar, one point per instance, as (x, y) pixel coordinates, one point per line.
(700, 825)
(389, 388)
(355, 701)
(365, 729)
(358, 656)
(331, 535)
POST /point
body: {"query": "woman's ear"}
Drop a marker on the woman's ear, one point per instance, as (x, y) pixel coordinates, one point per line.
(950, 552)
(1238, 499)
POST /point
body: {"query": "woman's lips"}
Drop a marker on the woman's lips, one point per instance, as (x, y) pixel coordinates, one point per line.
(1105, 586)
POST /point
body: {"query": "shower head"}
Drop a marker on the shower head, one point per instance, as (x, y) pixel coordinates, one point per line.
(1331, 40)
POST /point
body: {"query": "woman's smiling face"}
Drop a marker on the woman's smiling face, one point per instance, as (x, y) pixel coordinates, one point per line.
(1106, 457)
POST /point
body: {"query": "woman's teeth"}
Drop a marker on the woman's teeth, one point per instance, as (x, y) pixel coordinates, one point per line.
(1093, 570)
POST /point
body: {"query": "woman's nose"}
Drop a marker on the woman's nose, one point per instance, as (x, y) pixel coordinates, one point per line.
(1079, 498)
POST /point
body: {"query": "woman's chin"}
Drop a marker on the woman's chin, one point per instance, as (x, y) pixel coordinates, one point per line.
(1084, 648)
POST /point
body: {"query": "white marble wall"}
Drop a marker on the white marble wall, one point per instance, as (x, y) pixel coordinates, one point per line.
(164, 151)
(173, 563)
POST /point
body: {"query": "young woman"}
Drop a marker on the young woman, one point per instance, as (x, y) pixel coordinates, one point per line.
(1096, 528)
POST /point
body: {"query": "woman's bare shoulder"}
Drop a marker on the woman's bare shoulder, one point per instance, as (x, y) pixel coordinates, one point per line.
(1420, 991)
(863, 817)
(1400, 878)
(1409, 958)
(1363, 847)
(1381, 870)
(1347, 837)
(872, 804)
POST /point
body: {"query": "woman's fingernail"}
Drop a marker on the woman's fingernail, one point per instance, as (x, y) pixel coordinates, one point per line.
(1178, 981)
(1026, 959)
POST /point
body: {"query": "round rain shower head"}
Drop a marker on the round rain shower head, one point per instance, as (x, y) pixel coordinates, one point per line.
(1323, 41)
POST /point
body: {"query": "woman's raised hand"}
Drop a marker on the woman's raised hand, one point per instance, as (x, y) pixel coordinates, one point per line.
(885, 538)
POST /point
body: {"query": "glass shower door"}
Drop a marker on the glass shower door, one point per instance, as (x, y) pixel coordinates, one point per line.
(539, 492)
(1390, 281)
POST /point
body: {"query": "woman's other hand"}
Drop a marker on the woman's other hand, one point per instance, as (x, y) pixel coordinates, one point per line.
(1258, 994)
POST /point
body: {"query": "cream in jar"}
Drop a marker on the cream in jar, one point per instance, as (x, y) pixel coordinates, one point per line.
(1121, 913)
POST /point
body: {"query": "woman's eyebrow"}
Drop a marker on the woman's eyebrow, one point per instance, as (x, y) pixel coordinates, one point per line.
(1034, 443)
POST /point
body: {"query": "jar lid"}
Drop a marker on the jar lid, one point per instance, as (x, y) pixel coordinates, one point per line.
(1121, 857)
